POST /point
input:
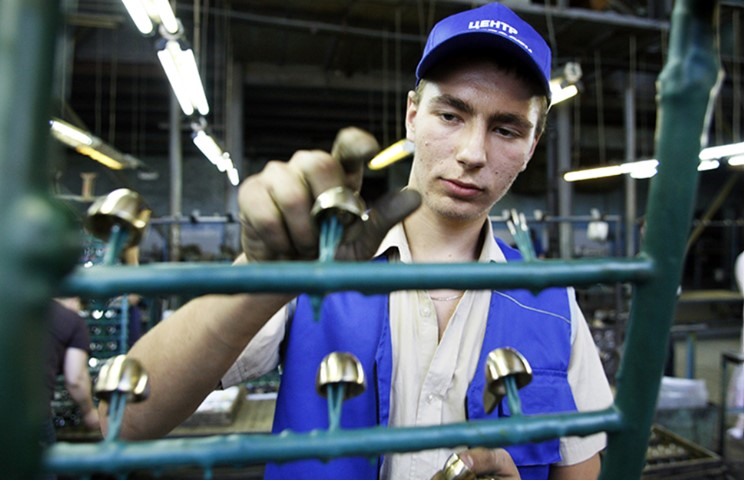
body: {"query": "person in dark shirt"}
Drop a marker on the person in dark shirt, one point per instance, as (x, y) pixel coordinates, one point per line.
(67, 354)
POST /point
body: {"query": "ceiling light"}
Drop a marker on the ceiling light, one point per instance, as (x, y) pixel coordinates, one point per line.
(709, 159)
(93, 147)
(146, 13)
(594, 173)
(720, 151)
(564, 82)
(180, 65)
(393, 153)
(736, 160)
(69, 134)
(139, 15)
(209, 147)
(560, 94)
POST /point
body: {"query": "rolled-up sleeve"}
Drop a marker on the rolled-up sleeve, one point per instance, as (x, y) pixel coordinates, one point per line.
(261, 355)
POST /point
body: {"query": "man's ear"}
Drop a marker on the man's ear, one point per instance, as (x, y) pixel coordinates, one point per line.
(411, 110)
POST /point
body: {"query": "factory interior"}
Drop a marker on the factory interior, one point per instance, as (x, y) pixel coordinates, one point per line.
(282, 76)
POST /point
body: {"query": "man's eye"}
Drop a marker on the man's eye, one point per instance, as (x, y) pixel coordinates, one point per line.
(447, 117)
(505, 132)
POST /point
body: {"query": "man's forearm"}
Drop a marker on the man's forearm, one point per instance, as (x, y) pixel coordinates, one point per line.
(186, 354)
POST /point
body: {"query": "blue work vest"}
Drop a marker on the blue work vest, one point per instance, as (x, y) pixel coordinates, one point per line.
(537, 325)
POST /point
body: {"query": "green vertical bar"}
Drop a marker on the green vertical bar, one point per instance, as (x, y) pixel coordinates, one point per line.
(37, 244)
(686, 86)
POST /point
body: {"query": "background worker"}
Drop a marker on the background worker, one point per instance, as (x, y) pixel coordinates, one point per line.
(475, 117)
(67, 354)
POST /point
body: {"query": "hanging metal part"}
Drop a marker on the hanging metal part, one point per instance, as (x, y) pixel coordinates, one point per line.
(123, 375)
(454, 468)
(506, 371)
(122, 207)
(343, 369)
(340, 211)
(120, 380)
(340, 377)
(340, 202)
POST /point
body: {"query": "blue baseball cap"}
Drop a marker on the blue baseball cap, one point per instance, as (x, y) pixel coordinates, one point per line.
(490, 26)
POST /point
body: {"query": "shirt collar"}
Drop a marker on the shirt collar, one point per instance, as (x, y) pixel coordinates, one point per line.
(395, 242)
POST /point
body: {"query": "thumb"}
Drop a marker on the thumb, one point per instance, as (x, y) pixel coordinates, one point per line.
(353, 148)
(389, 210)
(495, 463)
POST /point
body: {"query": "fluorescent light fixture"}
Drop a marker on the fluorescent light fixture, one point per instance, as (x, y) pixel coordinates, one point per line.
(720, 151)
(644, 169)
(593, 173)
(146, 13)
(708, 164)
(69, 134)
(91, 146)
(564, 82)
(180, 66)
(233, 176)
(395, 152)
(100, 157)
(560, 94)
(736, 160)
(208, 146)
(139, 15)
(165, 13)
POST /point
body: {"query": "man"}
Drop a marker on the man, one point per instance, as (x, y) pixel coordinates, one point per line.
(475, 118)
(67, 354)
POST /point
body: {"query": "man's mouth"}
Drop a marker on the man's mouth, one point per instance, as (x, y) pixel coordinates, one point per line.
(459, 188)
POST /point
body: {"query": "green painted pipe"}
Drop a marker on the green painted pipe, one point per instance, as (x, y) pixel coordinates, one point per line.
(372, 277)
(38, 244)
(687, 86)
(244, 449)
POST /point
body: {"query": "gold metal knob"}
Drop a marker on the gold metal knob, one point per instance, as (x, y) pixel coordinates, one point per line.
(341, 368)
(454, 468)
(342, 202)
(123, 375)
(123, 207)
(500, 364)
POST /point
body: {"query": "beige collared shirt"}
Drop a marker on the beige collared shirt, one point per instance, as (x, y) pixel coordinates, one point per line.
(430, 378)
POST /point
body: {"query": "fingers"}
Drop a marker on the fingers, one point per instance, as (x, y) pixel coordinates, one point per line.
(275, 206)
(353, 148)
(276, 203)
(494, 463)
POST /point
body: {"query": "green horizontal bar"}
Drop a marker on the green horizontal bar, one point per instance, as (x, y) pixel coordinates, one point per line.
(244, 449)
(367, 277)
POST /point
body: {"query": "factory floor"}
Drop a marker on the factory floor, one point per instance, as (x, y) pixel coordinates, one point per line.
(702, 426)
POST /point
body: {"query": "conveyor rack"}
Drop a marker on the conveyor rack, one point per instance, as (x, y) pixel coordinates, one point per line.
(39, 248)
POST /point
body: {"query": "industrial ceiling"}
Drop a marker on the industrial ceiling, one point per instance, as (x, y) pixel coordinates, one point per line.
(290, 73)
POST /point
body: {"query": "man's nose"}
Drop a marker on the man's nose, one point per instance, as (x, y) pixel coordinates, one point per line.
(472, 147)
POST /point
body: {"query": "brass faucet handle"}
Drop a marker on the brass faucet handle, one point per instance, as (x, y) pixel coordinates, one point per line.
(341, 368)
(123, 207)
(500, 364)
(124, 375)
(342, 202)
(454, 468)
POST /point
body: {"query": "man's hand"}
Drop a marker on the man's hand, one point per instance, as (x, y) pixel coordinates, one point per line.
(490, 463)
(275, 204)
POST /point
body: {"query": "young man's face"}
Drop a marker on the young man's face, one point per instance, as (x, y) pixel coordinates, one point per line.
(475, 130)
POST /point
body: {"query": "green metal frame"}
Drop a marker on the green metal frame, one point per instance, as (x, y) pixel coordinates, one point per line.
(39, 246)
